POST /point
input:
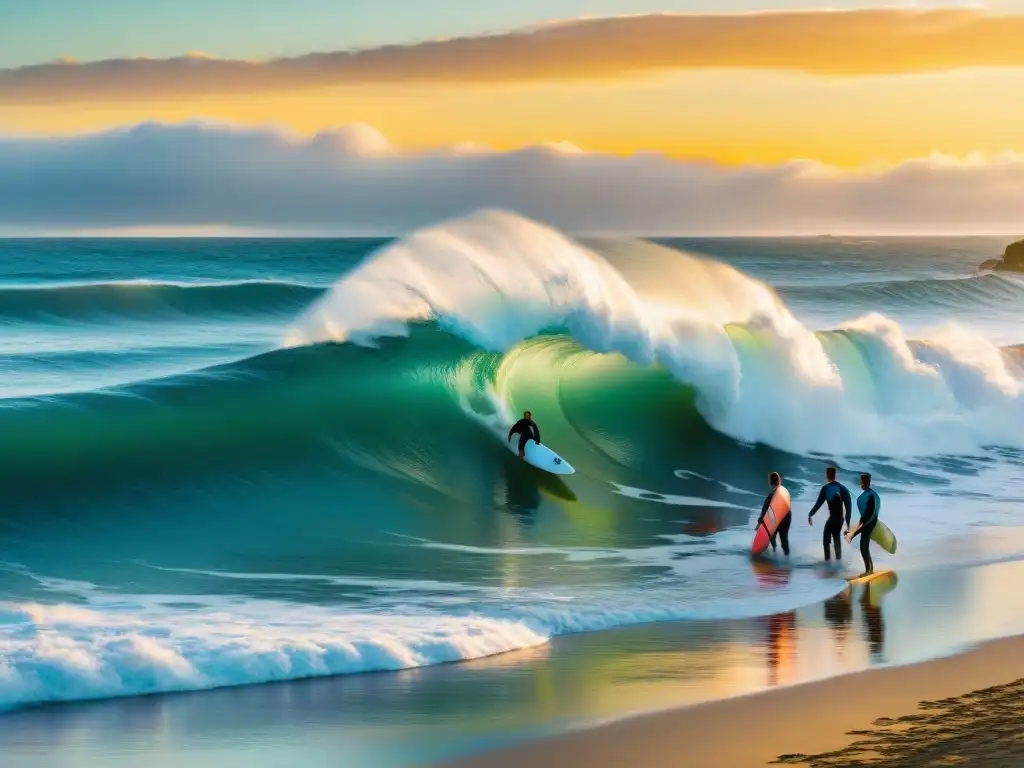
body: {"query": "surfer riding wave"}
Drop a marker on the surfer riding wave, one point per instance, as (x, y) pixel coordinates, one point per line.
(527, 429)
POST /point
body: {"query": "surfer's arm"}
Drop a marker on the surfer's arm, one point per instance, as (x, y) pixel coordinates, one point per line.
(536, 432)
(865, 516)
(764, 507)
(818, 503)
(848, 501)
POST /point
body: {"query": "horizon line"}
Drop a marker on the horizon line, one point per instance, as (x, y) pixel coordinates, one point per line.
(366, 235)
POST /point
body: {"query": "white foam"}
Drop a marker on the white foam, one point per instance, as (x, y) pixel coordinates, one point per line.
(383, 585)
(671, 499)
(761, 376)
(684, 474)
(136, 646)
(123, 645)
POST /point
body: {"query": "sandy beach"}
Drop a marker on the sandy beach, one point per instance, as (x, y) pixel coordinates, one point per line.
(965, 709)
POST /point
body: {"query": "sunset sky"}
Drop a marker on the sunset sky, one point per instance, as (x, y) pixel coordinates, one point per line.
(756, 84)
(736, 83)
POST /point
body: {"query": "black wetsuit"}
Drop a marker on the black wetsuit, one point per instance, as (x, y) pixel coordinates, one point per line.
(527, 429)
(869, 505)
(836, 495)
(783, 530)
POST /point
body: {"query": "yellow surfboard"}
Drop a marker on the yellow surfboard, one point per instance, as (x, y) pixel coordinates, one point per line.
(884, 538)
(870, 576)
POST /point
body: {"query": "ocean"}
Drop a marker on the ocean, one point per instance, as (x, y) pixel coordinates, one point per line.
(237, 461)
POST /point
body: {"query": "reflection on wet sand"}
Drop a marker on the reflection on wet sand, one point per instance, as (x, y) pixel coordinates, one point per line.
(839, 614)
(871, 597)
(783, 661)
(781, 646)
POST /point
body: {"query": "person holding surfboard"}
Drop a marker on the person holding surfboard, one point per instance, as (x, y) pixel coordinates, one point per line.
(837, 496)
(527, 429)
(870, 504)
(775, 480)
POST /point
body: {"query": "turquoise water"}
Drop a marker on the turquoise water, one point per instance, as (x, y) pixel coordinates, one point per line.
(240, 461)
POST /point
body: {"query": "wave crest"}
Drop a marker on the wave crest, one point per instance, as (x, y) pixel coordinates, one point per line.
(496, 279)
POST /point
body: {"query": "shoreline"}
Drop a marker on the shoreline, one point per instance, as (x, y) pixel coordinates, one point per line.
(818, 723)
(574, 687)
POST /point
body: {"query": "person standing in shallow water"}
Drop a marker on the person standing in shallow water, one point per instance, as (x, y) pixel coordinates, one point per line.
(837, 496)
(775, 481)
(869, 504)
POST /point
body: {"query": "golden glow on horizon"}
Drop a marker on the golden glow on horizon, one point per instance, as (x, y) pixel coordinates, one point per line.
(726, 116)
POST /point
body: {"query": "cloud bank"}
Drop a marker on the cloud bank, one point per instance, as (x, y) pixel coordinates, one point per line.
(352, 180)
(866, 42)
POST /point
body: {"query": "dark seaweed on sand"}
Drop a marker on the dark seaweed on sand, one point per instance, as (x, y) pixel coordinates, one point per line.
(982, 728)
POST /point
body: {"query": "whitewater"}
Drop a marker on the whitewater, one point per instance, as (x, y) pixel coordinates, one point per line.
(242, 461)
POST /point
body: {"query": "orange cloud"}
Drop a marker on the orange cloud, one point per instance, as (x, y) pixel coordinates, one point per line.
(842, 43)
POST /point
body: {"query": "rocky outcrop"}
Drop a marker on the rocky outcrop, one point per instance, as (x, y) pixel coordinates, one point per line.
(1012, 261)
(1014, 256)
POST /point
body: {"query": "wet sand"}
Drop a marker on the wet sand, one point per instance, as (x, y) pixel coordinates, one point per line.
(965, 709)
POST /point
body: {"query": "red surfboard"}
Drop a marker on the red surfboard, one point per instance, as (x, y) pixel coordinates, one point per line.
(777, 511)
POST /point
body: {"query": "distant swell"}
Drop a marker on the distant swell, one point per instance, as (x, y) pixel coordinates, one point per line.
(955, 294)
(151, 300)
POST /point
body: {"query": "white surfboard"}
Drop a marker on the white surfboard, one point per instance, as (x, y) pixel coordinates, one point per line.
(541, 457)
